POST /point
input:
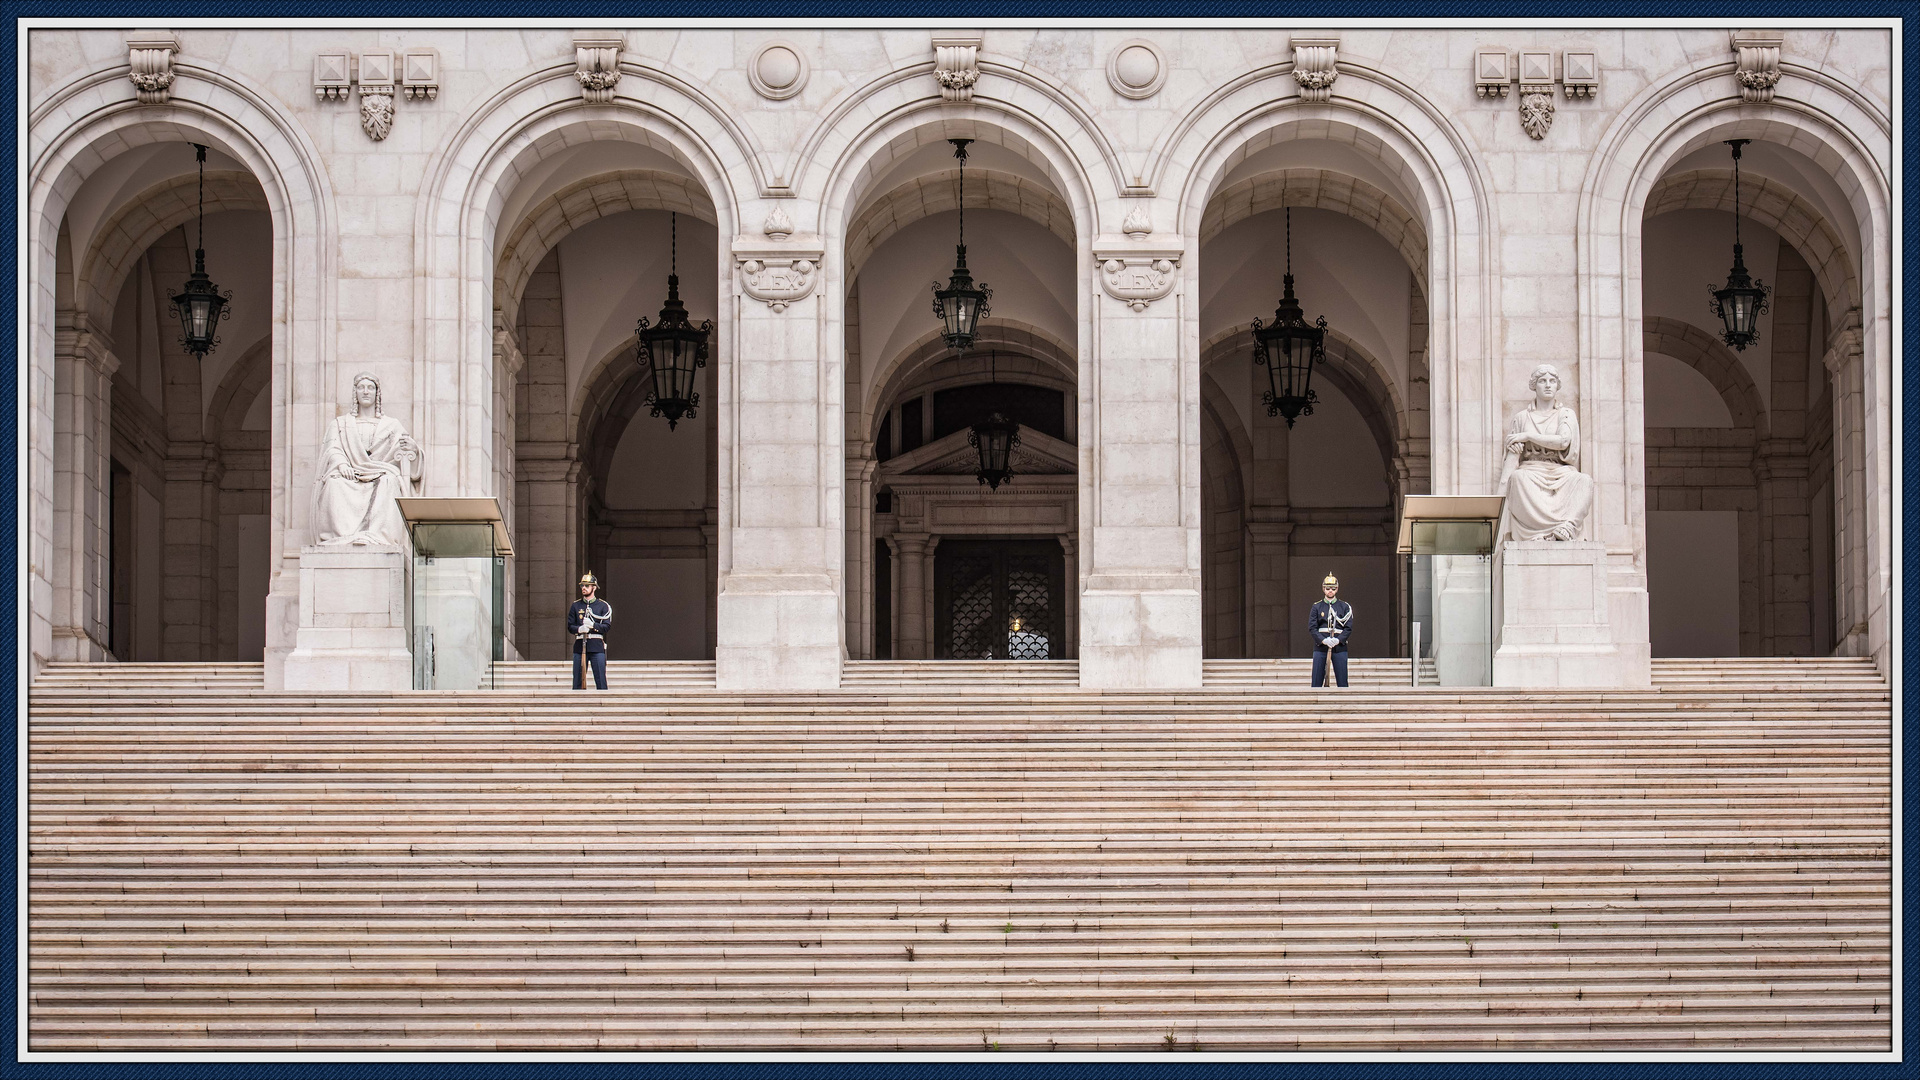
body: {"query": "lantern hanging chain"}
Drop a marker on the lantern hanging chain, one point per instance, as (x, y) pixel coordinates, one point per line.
(961, 153)
(1289, 241)
(1735, 143)
(673, 243)
(200, 252)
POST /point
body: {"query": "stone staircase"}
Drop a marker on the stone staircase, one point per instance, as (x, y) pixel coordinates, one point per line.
(898, 865)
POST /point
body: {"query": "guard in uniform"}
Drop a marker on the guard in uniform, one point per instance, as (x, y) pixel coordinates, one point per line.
(1331, 624)
(587, 619)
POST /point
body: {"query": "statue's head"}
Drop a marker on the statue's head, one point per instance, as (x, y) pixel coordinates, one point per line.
(1545, 380)
(366, 392)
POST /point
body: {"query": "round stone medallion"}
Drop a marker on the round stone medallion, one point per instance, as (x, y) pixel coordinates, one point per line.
(1137, 69)
(778, 70)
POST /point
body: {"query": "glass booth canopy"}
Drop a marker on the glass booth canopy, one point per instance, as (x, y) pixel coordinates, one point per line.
(1448, 543)
(458, 615)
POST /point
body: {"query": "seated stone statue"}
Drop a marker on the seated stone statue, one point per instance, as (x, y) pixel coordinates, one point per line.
(1548, 497)
(367, 461)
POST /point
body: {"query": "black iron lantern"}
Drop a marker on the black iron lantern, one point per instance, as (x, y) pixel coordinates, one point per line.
(674, 348)
(1289, 348)
(960, 306)
(1741, 303)
(200, 303)
(995, 437)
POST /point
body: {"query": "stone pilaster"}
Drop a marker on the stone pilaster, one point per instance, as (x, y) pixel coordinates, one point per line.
(910, 640)
(1845, 364)
(780, 455)
(82, 544)
(1140, 612)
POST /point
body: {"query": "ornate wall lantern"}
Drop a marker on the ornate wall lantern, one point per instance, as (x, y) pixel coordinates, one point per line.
(995, 437)
(674, 348)
(1288, 348)
(200, 303)
(1741, 303)
(960, 306)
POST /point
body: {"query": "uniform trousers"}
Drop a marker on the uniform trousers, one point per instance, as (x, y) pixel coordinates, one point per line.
(1339, 666)
(598, 660)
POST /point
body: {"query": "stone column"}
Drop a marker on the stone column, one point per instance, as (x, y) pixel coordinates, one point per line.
(190, 552)
(545, 527)
(860, 470)
(1269, 562)
(82, 544)
(1141, 623)
(1845, 363)
(910, 583)
(781, 456)
(1070, 623)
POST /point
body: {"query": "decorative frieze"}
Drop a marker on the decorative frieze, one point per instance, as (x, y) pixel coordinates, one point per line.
(778, 274)
(1135, 271)
(333, 75)
(420, 74)
(376, 93)
(150, 64)
(1313, 66)
(956, 64)
(1492, 73)
(597, 59)
(1496, 71)
(1757, 63)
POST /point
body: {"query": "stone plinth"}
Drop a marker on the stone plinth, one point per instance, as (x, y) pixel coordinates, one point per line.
(1139, 638)
(353, 621)
(778, 632)
(1550, 615)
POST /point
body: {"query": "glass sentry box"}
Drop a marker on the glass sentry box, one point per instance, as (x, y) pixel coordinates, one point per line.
(1448, 542)
(460, 550)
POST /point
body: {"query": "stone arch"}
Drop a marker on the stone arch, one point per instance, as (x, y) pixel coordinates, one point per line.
(925, 196)
(1414, 141)
(1354, 371)
(542, 226)
(1776, 206)
(1706, 354)
(244, 381)
(150, 215)
(1847, 137)
(73, 133)
(464, 195)
(1007, 334)
(1322, 189)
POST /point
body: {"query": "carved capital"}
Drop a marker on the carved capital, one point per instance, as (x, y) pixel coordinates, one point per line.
(1313, 66)
(956, 64)
(1137, 273)
(597, 64)
(778, 274)
(150, 64)
(1757, 63)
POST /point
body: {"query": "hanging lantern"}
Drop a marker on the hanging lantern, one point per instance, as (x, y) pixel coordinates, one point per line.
(995, 437)
(1741, 303)
(674, 348)
(960, 306)
(200, 303)
(1288, 348)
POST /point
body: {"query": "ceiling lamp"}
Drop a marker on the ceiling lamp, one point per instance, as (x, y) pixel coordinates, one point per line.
(960, 306)
(674, 348)
(200, 303)
(995, 437)
(1744, 300)
(1288, 348)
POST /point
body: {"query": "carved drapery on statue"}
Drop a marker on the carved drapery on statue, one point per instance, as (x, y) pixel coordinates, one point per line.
(1548, 497)
(367, 462)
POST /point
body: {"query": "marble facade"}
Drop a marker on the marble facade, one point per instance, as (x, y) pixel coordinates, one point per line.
(420, 185)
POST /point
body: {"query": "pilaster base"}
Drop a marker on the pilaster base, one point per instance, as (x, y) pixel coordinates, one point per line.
(353, 621)
(1550, 615)
(1140, 639)
(778, 632)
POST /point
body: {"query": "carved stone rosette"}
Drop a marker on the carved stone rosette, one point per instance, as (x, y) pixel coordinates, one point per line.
(1136, 272)
(956, 65)
(778, 275)
(150, 65)
(597, 65)
(1313, 67)
(1757, 68)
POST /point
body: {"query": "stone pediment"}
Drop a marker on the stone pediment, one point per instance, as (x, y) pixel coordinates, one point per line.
(1038, 454)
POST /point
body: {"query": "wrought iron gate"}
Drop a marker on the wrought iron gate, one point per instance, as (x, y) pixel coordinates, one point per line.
(999, 600)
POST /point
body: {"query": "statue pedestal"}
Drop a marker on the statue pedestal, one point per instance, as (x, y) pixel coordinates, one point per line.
(353, 621)
(1550, 615)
